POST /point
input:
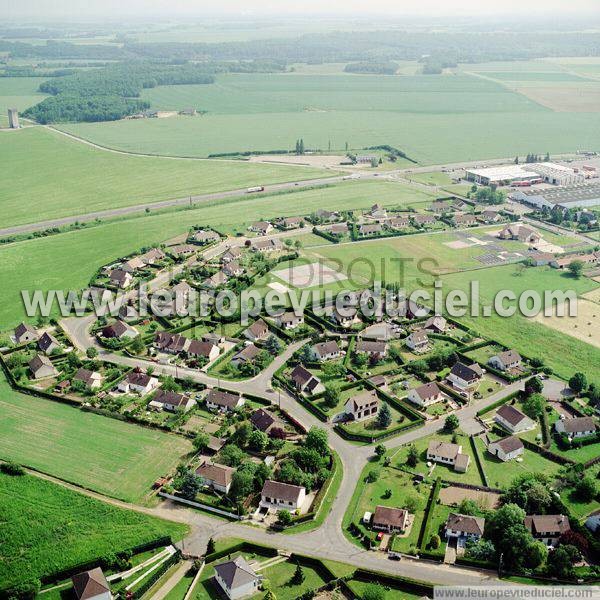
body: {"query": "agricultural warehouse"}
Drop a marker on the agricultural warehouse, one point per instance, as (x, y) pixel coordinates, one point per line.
(572, 196)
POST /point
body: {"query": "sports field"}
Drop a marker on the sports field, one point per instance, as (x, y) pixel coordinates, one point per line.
(40, 520)
(103, 454)
(47, 263)
(52, 176)
(434, 119)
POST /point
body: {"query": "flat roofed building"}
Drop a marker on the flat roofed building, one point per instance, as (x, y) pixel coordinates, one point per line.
(572, 196)
(499, 175)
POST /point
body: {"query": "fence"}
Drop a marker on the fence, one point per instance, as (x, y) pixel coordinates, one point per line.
(207, 507)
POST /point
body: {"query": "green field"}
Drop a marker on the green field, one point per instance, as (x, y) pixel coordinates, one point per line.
(106, 455)
(47, 263)
(19, 93)
(53, 176)
(47, 528)
(434, 119)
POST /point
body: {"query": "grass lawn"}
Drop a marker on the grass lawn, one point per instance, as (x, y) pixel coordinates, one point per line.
(40, 519)
(367, 496)
(445, 472)
(501, 474)
(180, 590)
(395, 593)
(74, 178)
(279, 577)
(109, 456)
(433, 178)
(482, 355)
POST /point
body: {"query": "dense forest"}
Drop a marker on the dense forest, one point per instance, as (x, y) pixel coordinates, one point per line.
(66, 107)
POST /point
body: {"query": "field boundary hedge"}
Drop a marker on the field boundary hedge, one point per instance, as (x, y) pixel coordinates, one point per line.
(426, 526)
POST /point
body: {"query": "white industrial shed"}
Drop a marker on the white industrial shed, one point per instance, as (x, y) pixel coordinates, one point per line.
(572, 196)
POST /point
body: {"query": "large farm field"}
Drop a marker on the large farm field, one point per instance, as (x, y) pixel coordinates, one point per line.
(41, 520)
(47, 263)
(106, 455)
(53, 176)
(434, 119)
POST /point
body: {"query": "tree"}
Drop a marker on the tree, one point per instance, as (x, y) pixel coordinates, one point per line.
(170, 385)
(468, 507)
(560, 561)
(451, 423)
(242, 484)
(380, 450)
(331, 397)
(585, 489)
(317, 439)
(258, 441)
(505, 529)
(535, 555)
(384, 417)
(284, 517)
(270, 595)
(373, 591)
(578, 383)
(576, 268)
(435, 541)
(534, 406)
(137, 345)
(241, 435)
(534, 386)
(273, 345)
(210, 546)
(190, 485)
(481, 550)
(298, 576)
(360, 360)
(412, 457)
(372, 476)
(201, 441)
(91, 352)
(231, 456)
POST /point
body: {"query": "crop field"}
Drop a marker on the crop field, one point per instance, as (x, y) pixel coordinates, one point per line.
(58, 177)
(109, 456)
(41, 519)
(271, 111)
(47, 263)
(19, 93)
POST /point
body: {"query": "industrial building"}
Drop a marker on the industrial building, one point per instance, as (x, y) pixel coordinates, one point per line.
(13, 118)
(572, 196)
(529, 173)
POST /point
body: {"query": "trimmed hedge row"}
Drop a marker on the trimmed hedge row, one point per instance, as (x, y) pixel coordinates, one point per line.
(498, 403)
(149, 581)
(410, 585)
(426, 527)
(251, 547)
(561, 460)
(478, 461)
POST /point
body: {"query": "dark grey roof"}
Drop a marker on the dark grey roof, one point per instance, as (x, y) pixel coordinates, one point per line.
(236, 573)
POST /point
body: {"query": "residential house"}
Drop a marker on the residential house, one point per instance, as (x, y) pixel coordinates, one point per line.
(266, 422)
(206, 236)
(216, 476)
(224, 401)
(381, 332)
(586, 259)
(91, 379)
(202, 349)
(120, 331)
(506, 361)
(152, 256)
(133, 264)
(121, 279)
(377, 212)
(25, 333)
(128, 312)
(91, 585)
(236, 578)
(232, 254)
(418, 340)
(48, 343)
(464, 527)
(465, 377)
(171, 401)
(338, 228)
(464, 220)
(520, 233)
(593, 521)
(171, 343)
(440, 206)
(411, 310)
(547, 528)
(233, 269)
(423, 220)
(182, 250)
(374, 349)
(540, 259)
(577, 427)
(246, 355)
(258, 331)
(289, 320)
(490, 216)
(266, 246)
(390, 519)
(214, 444)
(362, 406)
(326, 350)
(327, 215)
(506, 448)
(369, 229)
(399, 222)
(137, 382)
(217, 280)
(280, 496)
(182, 290)
(291, 222)
(425, 395)
(435, 324)
(41, 367)
(448, 454)
(261, 227)
(345, 317)
(512, 419)
(305, 382)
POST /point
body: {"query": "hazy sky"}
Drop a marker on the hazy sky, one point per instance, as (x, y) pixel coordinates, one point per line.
(82, 9)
